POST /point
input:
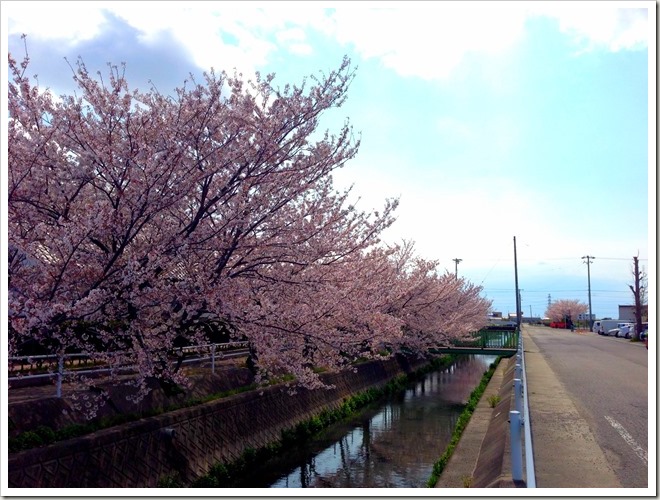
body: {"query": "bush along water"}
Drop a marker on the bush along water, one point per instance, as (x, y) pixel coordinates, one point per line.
(222, 475)
(461, 424)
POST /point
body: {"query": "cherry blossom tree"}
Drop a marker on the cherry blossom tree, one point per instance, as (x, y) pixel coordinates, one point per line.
(560, 309)
(434, 308)
(137, 220)
(138, 215)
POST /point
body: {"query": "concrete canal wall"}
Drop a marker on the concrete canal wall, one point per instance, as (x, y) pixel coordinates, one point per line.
(138, 454)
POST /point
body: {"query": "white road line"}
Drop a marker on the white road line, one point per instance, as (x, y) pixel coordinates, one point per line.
(639, 451)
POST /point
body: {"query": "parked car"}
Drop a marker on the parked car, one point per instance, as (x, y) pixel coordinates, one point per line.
(625, 331)
(621, 330)
(628, 331)
(603, 326)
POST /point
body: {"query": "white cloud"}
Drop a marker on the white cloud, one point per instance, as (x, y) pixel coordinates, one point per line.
(292, 34)
(53, 20)
(295, 41)
(595, 25)
(423, 39)
(197, 26)
(428, 40)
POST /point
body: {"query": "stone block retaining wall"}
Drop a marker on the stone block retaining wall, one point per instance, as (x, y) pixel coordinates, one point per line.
(139, 453)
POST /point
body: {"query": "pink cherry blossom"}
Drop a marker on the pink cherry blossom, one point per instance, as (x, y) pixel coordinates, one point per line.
(137, 220)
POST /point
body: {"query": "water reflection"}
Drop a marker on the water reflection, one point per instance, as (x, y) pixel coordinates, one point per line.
(392, 446)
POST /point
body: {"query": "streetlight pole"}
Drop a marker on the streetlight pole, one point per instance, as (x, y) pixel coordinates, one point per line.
(457, 261)
(589, 257)
(515, 266)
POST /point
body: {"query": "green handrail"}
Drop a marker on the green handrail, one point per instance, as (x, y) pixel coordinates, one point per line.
(502, 339)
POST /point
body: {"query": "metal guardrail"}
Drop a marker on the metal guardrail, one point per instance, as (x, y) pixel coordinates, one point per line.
(215, 352)
(520, 424)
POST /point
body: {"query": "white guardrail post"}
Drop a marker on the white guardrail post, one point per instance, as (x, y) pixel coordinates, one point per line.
(516, 445)
(518, 395)
(520, 424)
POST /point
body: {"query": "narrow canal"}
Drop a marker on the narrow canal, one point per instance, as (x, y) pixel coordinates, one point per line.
(393, 445)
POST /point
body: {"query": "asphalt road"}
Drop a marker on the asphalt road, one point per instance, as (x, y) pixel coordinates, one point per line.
(607, 379)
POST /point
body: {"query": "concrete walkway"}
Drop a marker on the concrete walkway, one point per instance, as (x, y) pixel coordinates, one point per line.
(566, 454)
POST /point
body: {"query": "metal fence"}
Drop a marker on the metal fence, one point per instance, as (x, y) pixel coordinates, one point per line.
(59, 366)
(520, 424)
(490, 339)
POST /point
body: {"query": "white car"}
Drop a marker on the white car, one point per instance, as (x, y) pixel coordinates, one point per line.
(625, 331)
(642, 335)
(621, 330)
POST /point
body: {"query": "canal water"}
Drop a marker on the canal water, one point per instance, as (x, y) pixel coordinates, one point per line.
(393, 445)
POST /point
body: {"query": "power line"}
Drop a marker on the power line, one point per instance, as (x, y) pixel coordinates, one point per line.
(542, 259)
(616, 258)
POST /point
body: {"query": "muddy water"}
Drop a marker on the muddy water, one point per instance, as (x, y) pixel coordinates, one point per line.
(393, 445)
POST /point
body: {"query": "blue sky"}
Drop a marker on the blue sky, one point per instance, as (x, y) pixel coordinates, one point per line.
(488, 120)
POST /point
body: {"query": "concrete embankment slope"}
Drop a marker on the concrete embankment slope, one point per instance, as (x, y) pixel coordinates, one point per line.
(479, 459)
(566, 454)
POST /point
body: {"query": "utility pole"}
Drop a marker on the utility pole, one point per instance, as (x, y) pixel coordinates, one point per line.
(549, 301)
(638, 302)
(457, 261)
(591, 319)
(515, 265)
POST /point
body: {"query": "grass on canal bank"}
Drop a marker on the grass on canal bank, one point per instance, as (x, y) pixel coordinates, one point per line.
(461, 424)
(223, 475)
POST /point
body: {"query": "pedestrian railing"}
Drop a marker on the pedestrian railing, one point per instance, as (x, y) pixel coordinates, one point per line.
(491, 338)
(520, 424)
(59, 366)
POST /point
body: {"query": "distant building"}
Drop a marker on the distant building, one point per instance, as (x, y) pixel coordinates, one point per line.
(585, 317)
(627, 313)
